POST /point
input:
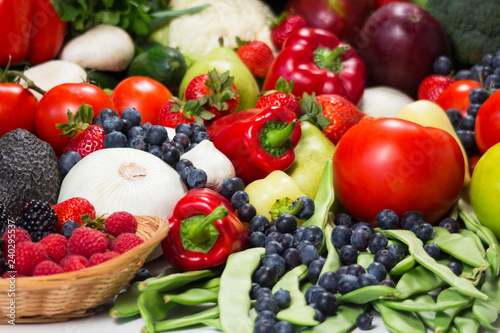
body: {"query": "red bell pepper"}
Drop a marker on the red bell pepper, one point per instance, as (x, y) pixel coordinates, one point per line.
(204, 231)
(317, 62)
(31, 31)
(257, 141)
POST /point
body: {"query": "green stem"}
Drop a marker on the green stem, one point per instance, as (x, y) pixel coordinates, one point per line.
(198, 232)
(276, 138)
(329, 60)
(28, 83)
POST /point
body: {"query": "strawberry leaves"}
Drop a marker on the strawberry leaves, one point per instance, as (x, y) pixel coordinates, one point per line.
(82, 119)
(312, 111)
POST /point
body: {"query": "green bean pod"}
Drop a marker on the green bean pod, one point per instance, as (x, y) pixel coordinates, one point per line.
(214, 322)
(417, 281)
(465, 322)
(193, 296)
(444, 319)
(438, 232)
(365, 259)
(368, 294)
(332, 262)
(298, 313)
(126, 303)
(454, 244)
(186, 321)
(234, 293)
(153, 308)
(403, 266)
(344, 321)
(425, 302)
(176, 280)
(486, 311)
(399, 321)
(471, 234)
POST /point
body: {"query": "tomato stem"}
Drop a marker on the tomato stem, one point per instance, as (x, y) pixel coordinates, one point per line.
(28, 83)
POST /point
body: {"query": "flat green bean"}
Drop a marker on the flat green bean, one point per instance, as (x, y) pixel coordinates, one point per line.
(126, 303)
(418, 280)
(465, 322)
(186, 321)
(344, 321)
(471, 234)
(415, 247)
(153, 308)
(438, 232)
(176, 280)
(444, 319)
(214, 322)
(399, 321)
(454, 244)
(403, 266)
(234, 293)
(425, 302)
(365, 259)
(486, 311)
(193, 296)
(332, 262)
(367, 294)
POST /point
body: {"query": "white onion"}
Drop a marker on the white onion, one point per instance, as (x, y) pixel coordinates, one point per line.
(383, 101)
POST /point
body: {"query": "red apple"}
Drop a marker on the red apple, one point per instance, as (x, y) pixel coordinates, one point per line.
(399, 43)
(343, 18)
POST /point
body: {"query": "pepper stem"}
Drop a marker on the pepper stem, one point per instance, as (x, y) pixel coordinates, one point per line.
(276, 138)
(328, 59)
(198, 232)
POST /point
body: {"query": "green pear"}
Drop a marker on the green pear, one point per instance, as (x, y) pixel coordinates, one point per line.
(311, 154)
(225, 59)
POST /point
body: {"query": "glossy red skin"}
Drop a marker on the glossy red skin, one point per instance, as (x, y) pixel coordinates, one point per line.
(456, 96)
(487, 128)
(343, 18)
(145, 94)
(17, 108)
(53, 106)
(232, 234)
(399, 43)
(296, 62)
(237, 136)
(15, 27)
(396, 164)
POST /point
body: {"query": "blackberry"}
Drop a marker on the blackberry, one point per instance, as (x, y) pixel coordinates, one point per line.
(38, 218)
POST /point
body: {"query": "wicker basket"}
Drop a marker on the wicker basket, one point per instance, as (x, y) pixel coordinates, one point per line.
(63, 296)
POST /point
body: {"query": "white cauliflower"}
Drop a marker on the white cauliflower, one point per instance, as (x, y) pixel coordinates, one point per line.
(199, 33)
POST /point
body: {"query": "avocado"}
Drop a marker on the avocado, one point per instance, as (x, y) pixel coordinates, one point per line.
(28, 170)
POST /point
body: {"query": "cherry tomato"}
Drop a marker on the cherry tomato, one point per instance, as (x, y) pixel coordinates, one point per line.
(17, 108)
(456, 95)
(487, 127)
(396, 164)
(144, 94)
(53, 106)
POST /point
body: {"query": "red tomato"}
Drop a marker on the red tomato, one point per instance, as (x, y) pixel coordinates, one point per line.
(396, 164)
(17, 108)
(487, 128)
(144, 94)
(456, 95)
(52, 109)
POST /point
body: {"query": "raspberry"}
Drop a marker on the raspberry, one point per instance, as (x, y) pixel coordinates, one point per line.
(56, 246)
(17, 234)
(98, 258)
(86, 241)
(47, 267)
(125, 242)
(28, 255)
(74, 262)
(120, 222)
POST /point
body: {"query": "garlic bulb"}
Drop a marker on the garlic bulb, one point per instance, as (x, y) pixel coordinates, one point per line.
(216, 165)
(124, 179)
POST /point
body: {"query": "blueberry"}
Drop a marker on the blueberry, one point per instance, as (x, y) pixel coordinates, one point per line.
(364, 321)
(463, 74)
(156, 151)
(286, 223)
(386, 258)
(359, 239)
(254, 289)
(455, 267)
(132, 115)
(135, 131)
(433, 250)
(105, 113)
(196, 178)
(342, 270)
(263, 291)
(355, 269)
(366, 279)
(303, 244)
(184, 173)
(291, 256)
(282, 298)
(273, 236)
(266, 303)
(329, 280)
(115, 139)
(68, 228)
(377, 242)
(264, 326)
(199, 136)
(307, 254)
(170, 155)
(146, 126)
(266, 276)
(266, 315)
(112, 123)
(487, 59)
(312, 292)
(68, 161)
(348, 254)
(468, 141)
(191, 146)
(387, 219)
(297, 235)
(239, 198)
(258, 223)
(307, 208)
(172, 144)
(363, 225)
(341, 236)
(283, 326)
(347, 283)
(246, 212)
(343, 219)
(378, 270)
(455, 116)
(415, 225)
(156, 135)
(326, 303)
(198, 127)
(425, 232)
(127, 125)
(442, 65)
(450, 224)
(182, 164)
(398, 252)
(286, 240)
(257, 239)
(274, 247)
(387, 283)
(182, 139)
(478, 95)
(230, 186)
(410, 218)
(314, 269)
(314, 234)
(467, 123)
(184, 129)
(276, 261)
(492, 80)
(495, 62)
(138, 142)
(472, 110)
(141, 275)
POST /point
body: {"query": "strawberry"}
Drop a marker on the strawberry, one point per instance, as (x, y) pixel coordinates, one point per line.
(176, 112)
(85, 137)
(73, 209)
(216, 92)
(256, 55)
(333, 114)
(284, 26)
(432, 86)
(282, 96)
